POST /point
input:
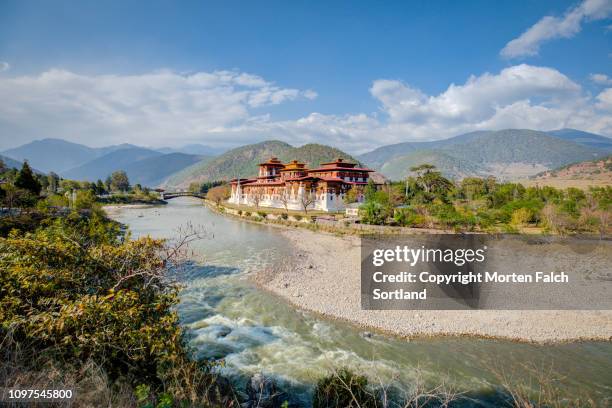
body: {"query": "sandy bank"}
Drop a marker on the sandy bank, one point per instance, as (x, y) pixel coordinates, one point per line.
(324, 277)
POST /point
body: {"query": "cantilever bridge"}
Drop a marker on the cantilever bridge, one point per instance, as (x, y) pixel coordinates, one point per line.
(167, 195)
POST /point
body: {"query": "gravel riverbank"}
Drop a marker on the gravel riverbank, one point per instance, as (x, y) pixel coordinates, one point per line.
(323, 277)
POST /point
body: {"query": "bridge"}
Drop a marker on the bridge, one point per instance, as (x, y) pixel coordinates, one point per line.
(167, 195)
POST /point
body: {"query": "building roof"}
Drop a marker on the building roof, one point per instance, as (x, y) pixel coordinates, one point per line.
(272, 162)
(321, 169)
(294, 165)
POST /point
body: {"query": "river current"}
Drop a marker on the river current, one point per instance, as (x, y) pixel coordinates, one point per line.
(255, 332)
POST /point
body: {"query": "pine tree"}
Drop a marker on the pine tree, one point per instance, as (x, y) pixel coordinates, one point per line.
(26, 180)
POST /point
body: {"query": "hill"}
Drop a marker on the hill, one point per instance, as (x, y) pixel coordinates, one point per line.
(584, 138)
(59, 155)
(507, 154)
(11, 163)
(103, 166)
(153, 171)
(581, 175)
(196, 149)
(399, 167)
(243, 161)
(377, 157)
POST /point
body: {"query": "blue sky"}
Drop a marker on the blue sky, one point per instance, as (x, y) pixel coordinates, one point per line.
(346, 73)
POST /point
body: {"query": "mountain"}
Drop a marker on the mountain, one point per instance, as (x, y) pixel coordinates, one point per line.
(58, 155)
(581, 175)
(196, 149)
(243, 161)
(399, 167)
(506, 154)
(52, 154)
(103, 166)
(11, 163)
(152, 171)
(377, 157)
(583, 138)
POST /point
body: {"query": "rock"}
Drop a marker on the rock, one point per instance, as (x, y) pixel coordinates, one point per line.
(224, 331)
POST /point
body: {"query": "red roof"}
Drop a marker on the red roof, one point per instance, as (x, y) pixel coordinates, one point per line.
(321, 169)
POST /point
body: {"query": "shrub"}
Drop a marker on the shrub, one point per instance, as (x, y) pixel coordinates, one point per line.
(247, 213)
(262, 214)
(239, 212)
(405, 217)
(75, 292)
(521, 216)
(284, 216)
(297, 217)
(344, 389)
(374, 213)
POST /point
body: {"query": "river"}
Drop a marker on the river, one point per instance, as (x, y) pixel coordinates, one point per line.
(255, 332)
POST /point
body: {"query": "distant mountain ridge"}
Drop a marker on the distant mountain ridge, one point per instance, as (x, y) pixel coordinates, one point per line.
(194, 149)
(148, 167)
(11, 163)
(507, 154)
(583, 138)
(58, 155)
(243, 161)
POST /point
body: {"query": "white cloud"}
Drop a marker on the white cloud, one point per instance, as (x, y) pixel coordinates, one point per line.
(228, 108)
(156, 108)
(601, 79)
(550, 27)
(4, 66)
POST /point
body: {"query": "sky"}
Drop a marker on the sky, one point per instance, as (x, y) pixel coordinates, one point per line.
(352, 74)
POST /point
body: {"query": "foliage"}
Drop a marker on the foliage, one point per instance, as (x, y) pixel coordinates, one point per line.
(353, 194)
(344, 389)
(427, 199)
(74, 291)
(119, 181)
(219, 193)
(25, 180)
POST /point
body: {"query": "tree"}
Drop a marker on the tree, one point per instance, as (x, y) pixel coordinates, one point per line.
(370, 190)
(195, 187)
(2, 166)
(256, 195)
(53, 181)
(17, 197)
(107, 183)
(352, 195)
(473, 187)
(27, 181)
(285, 197)
(307, 199)
(119, 181)
(422, 169)
(218, 194)
(100, 187)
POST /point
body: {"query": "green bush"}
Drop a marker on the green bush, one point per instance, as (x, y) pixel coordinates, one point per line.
(284, 216)
(374, 213)
(405, 217)
(344, 389)
(262, 214)
(74, 291)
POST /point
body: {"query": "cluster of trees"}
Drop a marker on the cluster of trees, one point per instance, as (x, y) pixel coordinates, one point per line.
(79, 298)
(428, 199)
(202, 188)
(26, 189)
